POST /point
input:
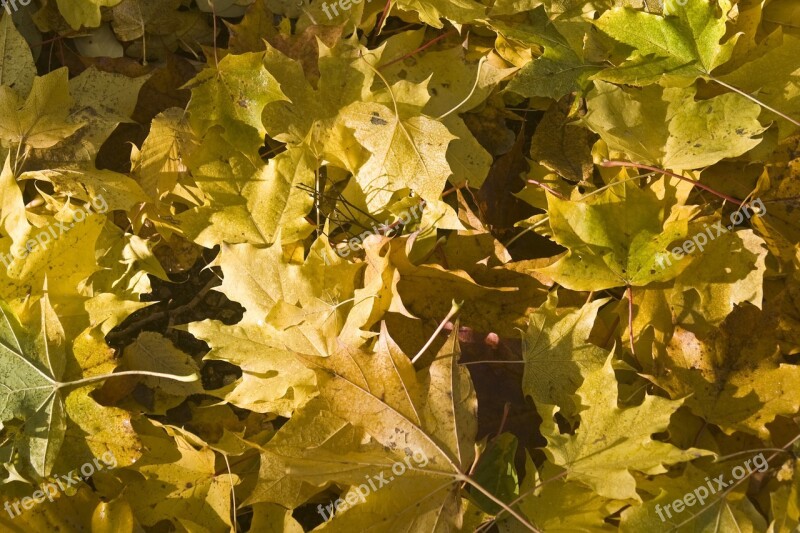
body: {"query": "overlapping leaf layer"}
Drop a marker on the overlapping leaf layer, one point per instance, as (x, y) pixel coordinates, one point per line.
(400, 266)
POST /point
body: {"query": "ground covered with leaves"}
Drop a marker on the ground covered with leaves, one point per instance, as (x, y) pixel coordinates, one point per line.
(399, 265)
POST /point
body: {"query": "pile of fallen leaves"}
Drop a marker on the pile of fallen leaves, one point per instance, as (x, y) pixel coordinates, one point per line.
(399, 266)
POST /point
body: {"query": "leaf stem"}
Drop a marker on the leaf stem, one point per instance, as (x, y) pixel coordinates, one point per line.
(95, 379)
(630, 318)
(674, 175)
(474, 87)
(754, 99)
(500, 503)
(723, 495)
(384, 14)
(526, 230)
(520, 498)
(455, 308)
(420, 49)
(548, 189)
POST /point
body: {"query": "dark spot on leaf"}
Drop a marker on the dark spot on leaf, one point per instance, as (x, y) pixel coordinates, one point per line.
(377, 120)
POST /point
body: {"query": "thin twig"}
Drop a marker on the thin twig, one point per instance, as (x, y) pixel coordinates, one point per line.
(155, 317)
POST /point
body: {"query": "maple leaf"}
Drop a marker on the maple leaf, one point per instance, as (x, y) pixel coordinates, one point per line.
(294, 309)
(432, 11)
(731, 379)
(450, 78)
(614, 239)
(348, 177)
(780, 89)
(557, 353)
(726, 510)
(41, 120)
(163, 156)
(100, 102)
(32, 388)
(685, 42)
(177, 480)
(547, 494)
(669, 128)
(233, 94)
(428, 415)
(611, 440)
(559, 71)
(406, 152)
(245, 200)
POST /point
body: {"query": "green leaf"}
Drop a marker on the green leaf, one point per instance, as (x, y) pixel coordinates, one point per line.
(560, 70)
(496, 472)
(33, 364)
(684, 43)
(670, 128)
(617, 238)
(233, 94)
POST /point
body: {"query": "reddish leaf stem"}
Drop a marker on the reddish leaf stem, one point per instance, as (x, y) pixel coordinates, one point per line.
(420, 49)
(548, 189)
(384, 14)
(674, 175)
